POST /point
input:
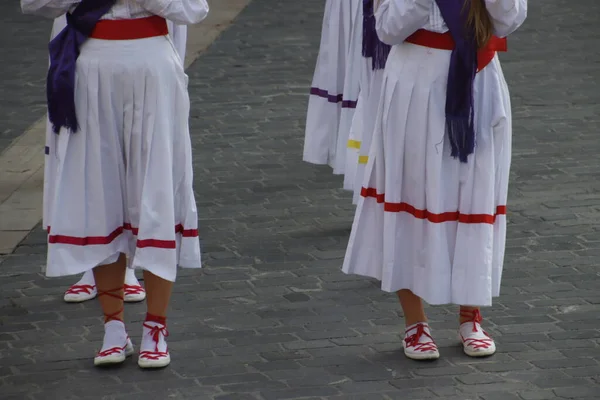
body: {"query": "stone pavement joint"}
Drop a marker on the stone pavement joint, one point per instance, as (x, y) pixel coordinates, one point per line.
(271, 316)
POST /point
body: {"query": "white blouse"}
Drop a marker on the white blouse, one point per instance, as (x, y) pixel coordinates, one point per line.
(182, 12)
(398, 19)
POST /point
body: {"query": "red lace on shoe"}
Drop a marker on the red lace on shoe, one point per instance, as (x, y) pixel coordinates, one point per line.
(476, 319)
(133, 289)
(117, 295)
(78, 289)
(155, 332)
(413, 340)
(112, 350)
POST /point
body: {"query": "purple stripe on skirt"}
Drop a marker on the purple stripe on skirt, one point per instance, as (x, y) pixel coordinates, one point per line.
(332, 98)
(349, 104)
(325, 94)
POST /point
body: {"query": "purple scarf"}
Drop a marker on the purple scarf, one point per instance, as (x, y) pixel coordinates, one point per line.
(463, 67)
(371, 45)
(64, 50)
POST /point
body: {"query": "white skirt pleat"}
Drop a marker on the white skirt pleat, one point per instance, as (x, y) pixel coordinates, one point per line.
(123, 182)
(425, 221)
(326, 93)
(355, 139)
(352, 77)
(369, 115)
(50, 148)
(353, 143)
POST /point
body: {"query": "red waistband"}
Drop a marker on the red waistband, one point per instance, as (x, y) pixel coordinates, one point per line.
(444, 41)
(130, 29)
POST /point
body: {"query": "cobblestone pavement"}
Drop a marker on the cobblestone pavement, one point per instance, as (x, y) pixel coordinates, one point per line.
(271, 316)
(24, 47)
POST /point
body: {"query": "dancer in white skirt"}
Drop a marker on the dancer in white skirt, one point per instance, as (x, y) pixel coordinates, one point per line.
(117, 98)
(85, 288)
(431, 221)
(326, 93)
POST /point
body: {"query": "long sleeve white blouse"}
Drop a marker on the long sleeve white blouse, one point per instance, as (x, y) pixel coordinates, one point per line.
(182, 12)
(396, 20)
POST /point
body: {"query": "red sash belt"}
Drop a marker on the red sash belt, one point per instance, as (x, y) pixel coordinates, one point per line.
(130, 29)
(444, 41)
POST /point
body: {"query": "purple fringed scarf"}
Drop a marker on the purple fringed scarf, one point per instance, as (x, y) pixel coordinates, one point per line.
(463, 67)
(372, 47)
(64, 50)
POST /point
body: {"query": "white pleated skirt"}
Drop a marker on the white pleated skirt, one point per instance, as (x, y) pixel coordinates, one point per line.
(178, 34)
(326, 93)
(123, 182)
(425, 221)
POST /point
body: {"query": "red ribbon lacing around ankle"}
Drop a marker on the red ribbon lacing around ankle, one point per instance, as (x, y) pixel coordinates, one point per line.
(112, 350)
(413, 340)
(133, 289)
(476, 319)
(111, 293)
(155, 332)
(78, 289)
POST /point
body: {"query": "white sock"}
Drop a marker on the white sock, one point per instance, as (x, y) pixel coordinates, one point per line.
(130, 278)
(115, 335)
(148, 343)
(87, 278)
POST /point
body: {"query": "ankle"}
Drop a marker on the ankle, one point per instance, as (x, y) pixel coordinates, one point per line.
(156, 318)
(469, 314)
(410, 323)
(115, 329)
(114, 325)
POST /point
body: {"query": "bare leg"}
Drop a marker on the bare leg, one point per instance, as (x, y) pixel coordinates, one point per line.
(158, 293)
(412, 306)
(109, 281)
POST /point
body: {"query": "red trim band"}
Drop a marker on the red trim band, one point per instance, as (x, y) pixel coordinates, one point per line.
(451, 216)
(130, 29)
(103, 240)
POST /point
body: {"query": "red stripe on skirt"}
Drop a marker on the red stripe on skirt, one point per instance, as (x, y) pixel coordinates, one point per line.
(103, 240)
(452, 216)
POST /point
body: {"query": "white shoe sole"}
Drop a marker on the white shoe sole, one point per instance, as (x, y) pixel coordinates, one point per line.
(478, 353)
(135, 298)
(422, 357)
(115, 358)
(160, 363)
(79, 298)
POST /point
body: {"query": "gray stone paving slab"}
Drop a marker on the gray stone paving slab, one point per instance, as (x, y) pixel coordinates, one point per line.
(24, 47)
(271, 316)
